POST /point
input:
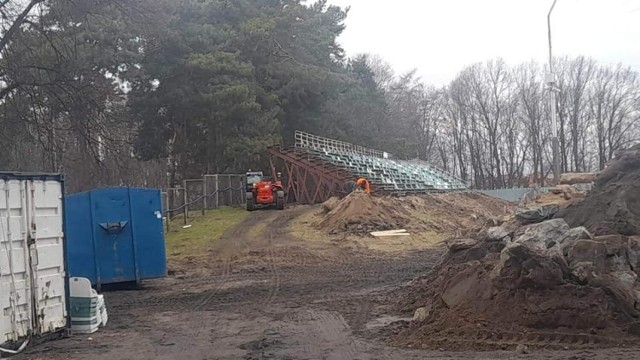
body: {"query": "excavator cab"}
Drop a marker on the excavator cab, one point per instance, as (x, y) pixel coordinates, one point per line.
(262, 192)
(253, 177)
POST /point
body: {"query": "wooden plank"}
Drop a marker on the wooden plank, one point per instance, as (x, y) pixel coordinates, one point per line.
(392, 234)
(389, 232)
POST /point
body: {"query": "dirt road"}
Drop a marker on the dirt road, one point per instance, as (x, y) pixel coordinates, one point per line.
(266, 295)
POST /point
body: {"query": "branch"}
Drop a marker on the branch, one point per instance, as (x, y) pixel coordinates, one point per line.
(17, 23)
(4, 92)
(285, 54)
(58, 53)
(3, 3)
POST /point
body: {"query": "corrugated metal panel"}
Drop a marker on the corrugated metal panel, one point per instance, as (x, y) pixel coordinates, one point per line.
(513, 195)
(32, 264)
(116, 235)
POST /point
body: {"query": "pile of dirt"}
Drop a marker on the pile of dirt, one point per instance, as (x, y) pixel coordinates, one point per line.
(568, 192)
(577, 178)
(539, 285)
(613, 205)
(448, 213)
(550, 198)
(571, 281)
(559, 194)
(330, 204)
(361, 213)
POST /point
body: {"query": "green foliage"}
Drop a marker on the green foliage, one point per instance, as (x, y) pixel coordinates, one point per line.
(57, 65)
(193, 242)
(212, 83)
(236, 77)
(358, 112)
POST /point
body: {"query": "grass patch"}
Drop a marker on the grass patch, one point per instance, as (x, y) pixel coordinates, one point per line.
(422, 216)
(194, 241)
(303, 227)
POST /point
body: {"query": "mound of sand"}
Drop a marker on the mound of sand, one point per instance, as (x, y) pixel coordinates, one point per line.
(549, 286)
(361, 213)
(613, 206)
(452, 213)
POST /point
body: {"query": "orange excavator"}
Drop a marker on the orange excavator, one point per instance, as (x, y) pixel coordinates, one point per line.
(262, 192)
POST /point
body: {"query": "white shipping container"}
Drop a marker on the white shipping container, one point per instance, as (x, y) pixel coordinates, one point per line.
(32, 265)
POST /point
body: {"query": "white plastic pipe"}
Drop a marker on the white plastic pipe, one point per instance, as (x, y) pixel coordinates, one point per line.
(20, 349)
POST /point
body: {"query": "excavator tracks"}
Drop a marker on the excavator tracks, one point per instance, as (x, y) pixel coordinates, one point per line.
(486, 339)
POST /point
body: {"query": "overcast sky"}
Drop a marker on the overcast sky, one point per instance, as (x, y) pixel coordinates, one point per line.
(440, 37)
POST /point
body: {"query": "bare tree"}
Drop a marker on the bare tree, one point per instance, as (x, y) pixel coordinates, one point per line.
(528, 78)
(581, 71)
(13, 15)
(492, 122)
(56, 97)
(382, 71)
(615, 106)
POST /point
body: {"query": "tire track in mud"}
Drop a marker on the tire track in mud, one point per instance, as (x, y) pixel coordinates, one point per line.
(200, 325)
(275, 280)
(329, 329)
(327, 326)
(294, 277)
(228, 243)
(241, 243)
(317, 303)
(362, 314)
(277, 233)
(320, 269)
(500, 339)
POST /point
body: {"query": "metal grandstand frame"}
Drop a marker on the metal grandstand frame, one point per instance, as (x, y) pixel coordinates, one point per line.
(439, 170)
(307, 179)
(318, 143)
(311, 174)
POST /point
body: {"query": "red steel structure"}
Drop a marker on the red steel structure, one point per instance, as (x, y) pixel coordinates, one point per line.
(317, 168)
(309, 179)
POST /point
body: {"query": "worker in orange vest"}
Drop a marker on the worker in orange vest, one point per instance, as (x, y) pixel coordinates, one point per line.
(363, 184)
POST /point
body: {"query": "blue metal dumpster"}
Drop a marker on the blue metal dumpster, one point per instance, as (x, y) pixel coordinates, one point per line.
(115, 235)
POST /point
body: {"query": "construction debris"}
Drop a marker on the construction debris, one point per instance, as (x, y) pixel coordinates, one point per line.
(536, 214)
(460, 244)
(390, 234)
(401, 232)
(522, 349)
(613, 206)
(548, 198)
(559, 194)
(533, 282)
(577, 178)
(454, 213)
(568, 191)
(421, 314)
(484, 291)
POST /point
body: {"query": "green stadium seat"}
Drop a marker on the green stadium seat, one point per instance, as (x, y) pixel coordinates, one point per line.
(385, 173)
